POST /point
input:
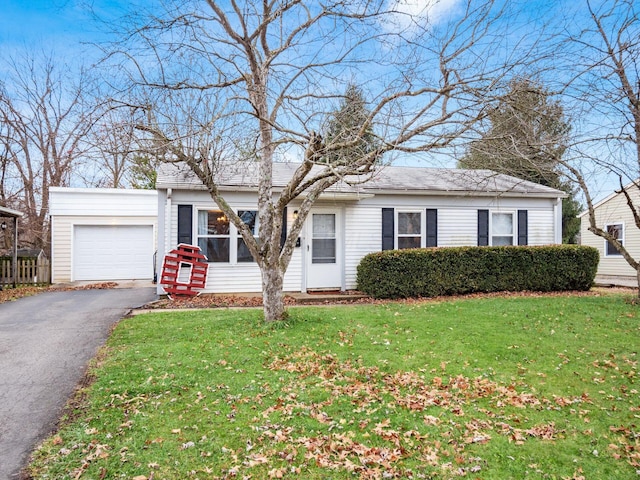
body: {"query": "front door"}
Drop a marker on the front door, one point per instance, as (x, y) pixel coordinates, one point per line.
(324, 265)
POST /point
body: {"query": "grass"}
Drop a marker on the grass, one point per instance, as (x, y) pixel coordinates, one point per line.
(490, 388)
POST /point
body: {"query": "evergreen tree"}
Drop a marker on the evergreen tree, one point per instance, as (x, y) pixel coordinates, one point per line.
(349, 135)
(526, 138)
(142, 172)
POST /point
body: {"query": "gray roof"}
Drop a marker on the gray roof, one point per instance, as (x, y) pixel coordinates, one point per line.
(386, 179)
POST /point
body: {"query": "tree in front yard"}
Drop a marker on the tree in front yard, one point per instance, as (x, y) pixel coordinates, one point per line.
(262, 82)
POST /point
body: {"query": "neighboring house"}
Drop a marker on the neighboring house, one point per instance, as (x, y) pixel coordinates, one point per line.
(614, 216)
(401, 207)
(100, 234)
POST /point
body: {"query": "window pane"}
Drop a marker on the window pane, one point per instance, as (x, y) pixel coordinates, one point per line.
(250, 218)
(216, 249)
(409, 223)
(244, 255)
(324, 250)
(502, 224)
(212, 222)
(616, 231)
(324, 225)
(203, 221)
(498, 241)
(408, 242)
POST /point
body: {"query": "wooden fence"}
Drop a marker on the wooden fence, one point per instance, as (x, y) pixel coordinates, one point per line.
(31, 271)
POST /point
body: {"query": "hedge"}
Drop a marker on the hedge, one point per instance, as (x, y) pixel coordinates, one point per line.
(439, 271)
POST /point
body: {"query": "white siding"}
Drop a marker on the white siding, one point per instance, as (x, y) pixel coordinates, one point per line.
(457, 227)
(230, 277)
(363, 235)
(103, 202)
(541, 227)
(614, 210)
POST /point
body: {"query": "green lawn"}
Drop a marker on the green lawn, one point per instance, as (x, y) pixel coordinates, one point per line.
(491, 388)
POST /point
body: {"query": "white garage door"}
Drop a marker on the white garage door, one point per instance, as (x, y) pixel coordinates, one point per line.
(107, 252)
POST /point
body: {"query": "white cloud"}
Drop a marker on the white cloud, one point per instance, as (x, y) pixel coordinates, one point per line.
(409, 13)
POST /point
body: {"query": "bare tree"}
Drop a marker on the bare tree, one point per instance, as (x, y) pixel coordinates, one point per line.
(112, 147)
(213, 74)
(606, 88)
(45, 121)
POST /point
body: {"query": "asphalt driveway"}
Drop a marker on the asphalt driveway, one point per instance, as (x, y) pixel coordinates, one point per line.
(46, 342)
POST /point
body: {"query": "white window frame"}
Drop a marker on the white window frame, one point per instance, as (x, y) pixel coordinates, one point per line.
(422, 234)
(233, 235)
(606, 242)
(514, 225)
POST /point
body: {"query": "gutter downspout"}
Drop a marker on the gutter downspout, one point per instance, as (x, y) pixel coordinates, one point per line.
(164, 213)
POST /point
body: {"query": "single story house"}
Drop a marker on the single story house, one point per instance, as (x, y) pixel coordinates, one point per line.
(614, 216)
(400, 207)
(102, 234)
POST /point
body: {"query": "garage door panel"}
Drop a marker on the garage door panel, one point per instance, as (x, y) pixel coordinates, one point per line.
(109, 252)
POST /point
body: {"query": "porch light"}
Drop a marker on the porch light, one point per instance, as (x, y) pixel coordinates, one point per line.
(3, 225)
(295, 214)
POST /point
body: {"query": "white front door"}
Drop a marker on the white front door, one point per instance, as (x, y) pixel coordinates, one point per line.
(324, 249)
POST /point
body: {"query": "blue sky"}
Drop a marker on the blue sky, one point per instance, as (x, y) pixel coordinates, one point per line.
(62, 26)
(32, 22)
(65, 27)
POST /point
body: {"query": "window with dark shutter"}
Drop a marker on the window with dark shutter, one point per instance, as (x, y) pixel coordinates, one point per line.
(523, 227)
(432, 227)
(283, 233)
(185, 222)
(388, 229)
(483, 228)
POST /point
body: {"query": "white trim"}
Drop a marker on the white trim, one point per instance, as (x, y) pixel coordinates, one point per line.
(108, 191)
(396, 221)
(557, 216)
(319, 268)
(606, 242)
(514, 225)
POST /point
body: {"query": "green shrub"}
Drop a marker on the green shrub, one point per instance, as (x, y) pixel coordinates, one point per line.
(458, 270)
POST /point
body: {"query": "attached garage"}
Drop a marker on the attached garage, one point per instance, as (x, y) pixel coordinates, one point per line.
(102, 234)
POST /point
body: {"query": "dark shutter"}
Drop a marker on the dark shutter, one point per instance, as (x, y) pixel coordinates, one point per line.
(185, 221)
(387, 228)
(523, 229)
(483, 228)
(283, 233)
(432, 227)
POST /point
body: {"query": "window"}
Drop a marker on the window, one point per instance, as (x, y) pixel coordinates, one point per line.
(501, 229)
(409, 230)
(214, 235)
(323, 241)
(616, 230)
(250, 218)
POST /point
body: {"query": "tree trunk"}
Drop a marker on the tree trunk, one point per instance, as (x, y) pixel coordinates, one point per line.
(272, 298)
